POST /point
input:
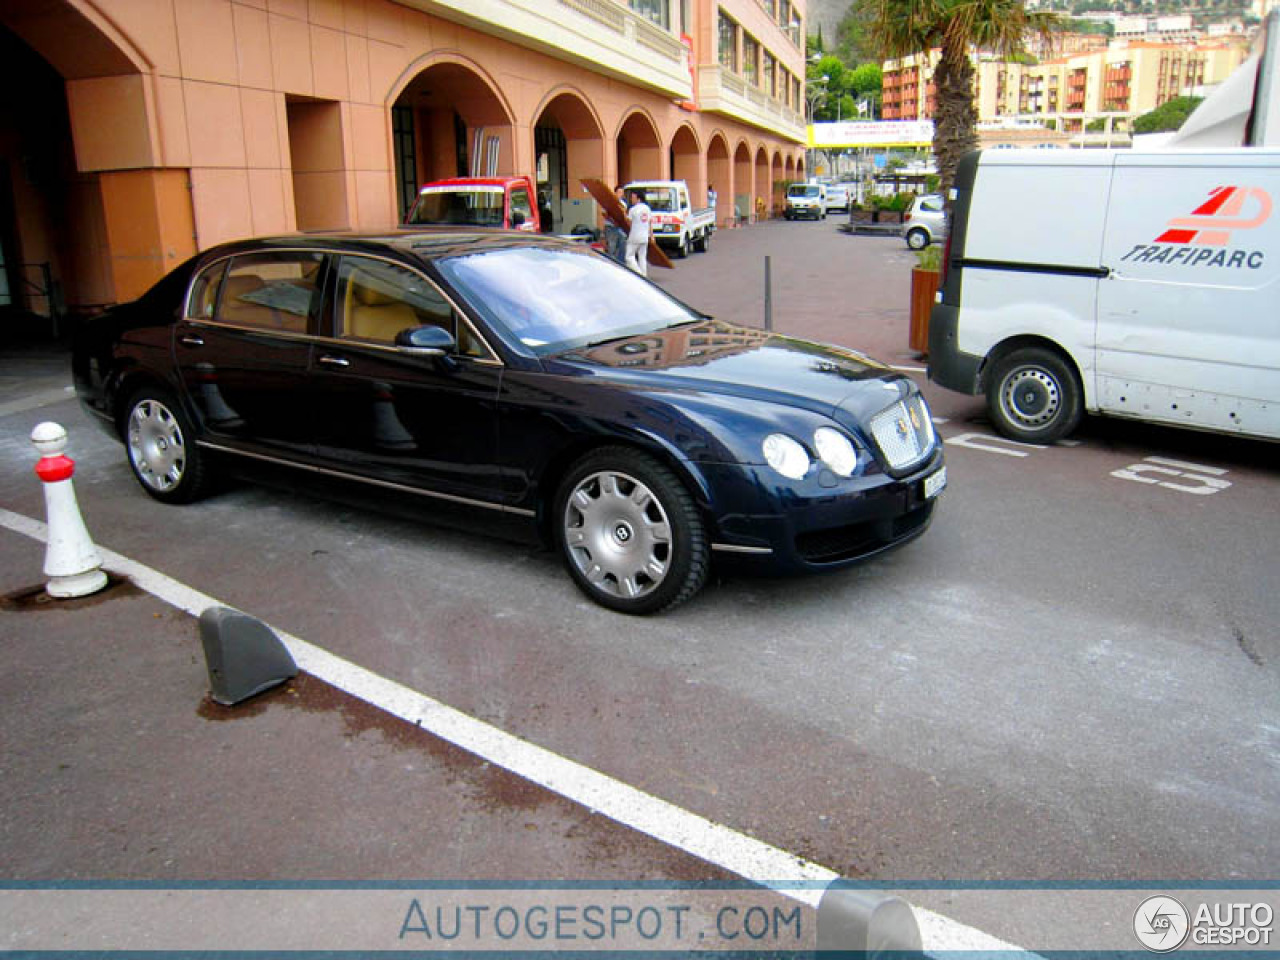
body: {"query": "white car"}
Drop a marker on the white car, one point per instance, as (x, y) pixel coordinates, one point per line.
(926, 221)
(837, 196)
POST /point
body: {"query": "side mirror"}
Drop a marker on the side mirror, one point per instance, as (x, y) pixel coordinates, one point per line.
(426, 341)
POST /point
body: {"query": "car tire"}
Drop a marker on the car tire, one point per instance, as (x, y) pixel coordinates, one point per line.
(682, 249)
(160, 442)
(917, 239)
(705, 243)
(1034, 396)
(629, 532)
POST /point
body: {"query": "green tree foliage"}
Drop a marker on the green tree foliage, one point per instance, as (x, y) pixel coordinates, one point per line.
(903, 27)
(1168, 116)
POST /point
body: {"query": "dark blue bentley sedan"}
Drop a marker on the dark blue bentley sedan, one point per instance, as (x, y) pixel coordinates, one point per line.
(523, 375)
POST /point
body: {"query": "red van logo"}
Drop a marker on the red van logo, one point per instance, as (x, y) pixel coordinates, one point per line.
(1226, 210)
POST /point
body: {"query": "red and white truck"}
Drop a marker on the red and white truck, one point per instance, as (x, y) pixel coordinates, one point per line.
(675, 223)
(505, 202)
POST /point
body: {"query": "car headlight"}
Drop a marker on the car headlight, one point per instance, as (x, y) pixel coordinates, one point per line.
(835, 450)
(786, 456)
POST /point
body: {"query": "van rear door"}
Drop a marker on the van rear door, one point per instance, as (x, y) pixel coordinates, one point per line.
(1188, 320)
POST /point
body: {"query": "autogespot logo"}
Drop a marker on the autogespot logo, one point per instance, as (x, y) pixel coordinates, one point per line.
(1161, 924)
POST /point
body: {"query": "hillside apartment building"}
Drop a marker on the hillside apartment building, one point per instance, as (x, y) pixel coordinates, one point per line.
(1084, 82)
(134, 133)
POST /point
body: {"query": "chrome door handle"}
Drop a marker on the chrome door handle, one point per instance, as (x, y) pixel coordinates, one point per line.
(191, 340)
(329, 360)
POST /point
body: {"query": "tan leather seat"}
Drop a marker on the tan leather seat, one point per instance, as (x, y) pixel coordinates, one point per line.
(238, 308)
(375, 315)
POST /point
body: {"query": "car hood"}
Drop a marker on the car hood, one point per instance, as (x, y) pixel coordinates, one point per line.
(720, 358)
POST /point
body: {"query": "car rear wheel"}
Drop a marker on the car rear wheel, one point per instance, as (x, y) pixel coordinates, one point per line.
(1033, 395)
(917, 239)
(162, 450)
(630, 533)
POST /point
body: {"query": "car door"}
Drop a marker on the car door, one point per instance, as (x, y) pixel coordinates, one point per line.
(243, 351)
(428, 423)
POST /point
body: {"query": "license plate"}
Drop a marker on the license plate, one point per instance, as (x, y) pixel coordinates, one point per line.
(934, 483)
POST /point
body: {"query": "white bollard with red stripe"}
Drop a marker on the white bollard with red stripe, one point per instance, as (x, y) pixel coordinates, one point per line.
(71, 562)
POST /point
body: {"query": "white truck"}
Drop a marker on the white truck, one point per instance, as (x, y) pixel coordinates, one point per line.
(675, 223)
(1134, 283)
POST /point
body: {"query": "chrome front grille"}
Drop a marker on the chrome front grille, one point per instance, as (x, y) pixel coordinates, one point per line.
(904, 432)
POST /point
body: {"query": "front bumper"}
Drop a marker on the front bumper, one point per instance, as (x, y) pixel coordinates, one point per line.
(820, 522)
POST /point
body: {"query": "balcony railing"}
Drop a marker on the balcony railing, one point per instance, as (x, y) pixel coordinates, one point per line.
(721, 91)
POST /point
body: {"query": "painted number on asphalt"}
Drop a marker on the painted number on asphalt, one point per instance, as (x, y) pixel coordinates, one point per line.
(1175, 475)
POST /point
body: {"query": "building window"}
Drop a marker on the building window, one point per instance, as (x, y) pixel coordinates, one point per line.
(770, 75)
(655, 11)
(405, 140)
(751, 61)
(728, 43)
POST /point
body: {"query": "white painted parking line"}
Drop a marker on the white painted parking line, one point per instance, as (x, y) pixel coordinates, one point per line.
(37, 400)
(987, 443)
(752, 859)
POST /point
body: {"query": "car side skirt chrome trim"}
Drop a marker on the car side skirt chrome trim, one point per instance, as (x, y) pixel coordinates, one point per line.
(734, 548)
(386, 484)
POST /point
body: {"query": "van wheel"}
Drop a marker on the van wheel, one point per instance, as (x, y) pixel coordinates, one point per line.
(682, 250)
(917, 239)
(705, 244)
(1034, 396)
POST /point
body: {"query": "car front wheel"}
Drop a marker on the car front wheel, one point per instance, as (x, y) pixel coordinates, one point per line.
(630, 533)
(162, 450)
(917, 239)
(1034, 396)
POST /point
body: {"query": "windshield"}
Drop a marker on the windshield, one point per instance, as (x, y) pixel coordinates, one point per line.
(553, 299)
(469, 206)
(661, 199)
(802, 190)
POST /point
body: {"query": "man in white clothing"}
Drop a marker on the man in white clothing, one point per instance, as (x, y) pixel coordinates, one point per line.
(638, 238)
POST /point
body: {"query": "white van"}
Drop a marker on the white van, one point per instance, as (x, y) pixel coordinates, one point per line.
(1130, 283)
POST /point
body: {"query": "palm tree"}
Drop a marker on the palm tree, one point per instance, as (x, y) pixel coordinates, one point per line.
(904, 27)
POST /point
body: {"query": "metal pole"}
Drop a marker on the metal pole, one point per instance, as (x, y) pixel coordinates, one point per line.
(768, 295)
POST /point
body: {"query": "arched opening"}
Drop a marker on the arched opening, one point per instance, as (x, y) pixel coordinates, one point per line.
(720, 177)
(742, 184)
(763, 195)
(449, 121)
(59, 252)
(639, 152)
(686, 164)
(568, 148)
(779, 183)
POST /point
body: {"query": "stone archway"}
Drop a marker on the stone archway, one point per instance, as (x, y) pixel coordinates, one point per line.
(639, 150)
(686, 164)
(568, 148)
(449, 121)
(85, 227)
(720, 175)
(743, 184)
(763, 195)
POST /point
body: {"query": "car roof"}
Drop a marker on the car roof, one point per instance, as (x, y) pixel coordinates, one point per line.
(426, 243)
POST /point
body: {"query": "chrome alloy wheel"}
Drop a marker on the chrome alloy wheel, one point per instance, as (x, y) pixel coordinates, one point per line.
(617, 534)
(157, 448)
(1031, 396)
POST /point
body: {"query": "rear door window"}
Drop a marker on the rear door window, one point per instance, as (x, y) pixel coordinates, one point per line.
(273, 291)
